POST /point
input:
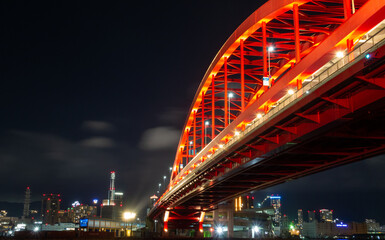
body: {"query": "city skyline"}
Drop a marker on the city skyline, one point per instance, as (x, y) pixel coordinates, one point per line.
(75, 111)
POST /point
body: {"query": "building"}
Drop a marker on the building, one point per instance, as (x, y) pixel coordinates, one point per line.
(27, 201)
(81, 211)
(243, 203)
(50, 206)
(311, 216)
(112, 208)
(326, 215)
(275, 202)
(300, 218)
(118, 199)
(372, 225)
(315, 229)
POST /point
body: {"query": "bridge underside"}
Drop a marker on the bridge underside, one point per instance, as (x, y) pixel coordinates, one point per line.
(347, 140)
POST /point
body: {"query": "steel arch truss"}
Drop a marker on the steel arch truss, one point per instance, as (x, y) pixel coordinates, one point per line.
(305, 35)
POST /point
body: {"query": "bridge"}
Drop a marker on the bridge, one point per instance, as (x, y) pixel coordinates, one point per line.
(298, 88)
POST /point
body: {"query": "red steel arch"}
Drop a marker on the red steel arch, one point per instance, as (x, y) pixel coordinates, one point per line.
(305, 35)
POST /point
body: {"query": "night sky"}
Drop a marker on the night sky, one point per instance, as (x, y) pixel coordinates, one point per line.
(88, 87)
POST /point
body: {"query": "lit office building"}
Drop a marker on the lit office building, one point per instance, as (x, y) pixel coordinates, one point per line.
(275, 202)
(326, 215)
(300, 218)
(81, 211)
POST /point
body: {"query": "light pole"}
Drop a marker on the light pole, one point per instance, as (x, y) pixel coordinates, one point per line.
(230, 96)
(269, 49)
(204, 141)
(129, 216)
(188, 154)
(159, 186)
(164, 182)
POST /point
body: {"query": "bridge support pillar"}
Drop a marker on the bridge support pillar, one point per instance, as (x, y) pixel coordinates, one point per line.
(230, 223)
(215, 216)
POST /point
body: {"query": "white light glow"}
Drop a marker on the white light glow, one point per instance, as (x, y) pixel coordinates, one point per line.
(236, 133)
(340, 54)
(129, 215)
(231, 95)
(259, 115)
(291, 91)
(256, 229)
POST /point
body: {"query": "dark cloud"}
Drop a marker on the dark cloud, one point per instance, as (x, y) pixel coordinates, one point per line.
(98, 142)
(160, 138)
(97, 126)
(173, 116)
(50, 163)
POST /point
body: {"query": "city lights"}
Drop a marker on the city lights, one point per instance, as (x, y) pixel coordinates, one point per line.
(291, 91)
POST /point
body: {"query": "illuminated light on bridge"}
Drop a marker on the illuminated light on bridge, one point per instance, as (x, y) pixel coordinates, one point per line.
(323, 100)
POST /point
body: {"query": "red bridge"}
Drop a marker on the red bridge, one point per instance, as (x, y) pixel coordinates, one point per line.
(298, 88)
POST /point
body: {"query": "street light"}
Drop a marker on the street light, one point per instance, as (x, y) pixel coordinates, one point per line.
(129, 216)
(340, 54)
(164, 181)
(269, 49)
(230, 96)
(206, 124)
(219, 230)
(255, 231)
(159, 186)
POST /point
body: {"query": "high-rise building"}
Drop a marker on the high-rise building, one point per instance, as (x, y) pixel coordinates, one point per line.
(275, 202)
(111, 192)
(27, 201)
(300, 218)
(311, 216)
(81, 211)
(50, 206)
(326, 215)
(118, 199)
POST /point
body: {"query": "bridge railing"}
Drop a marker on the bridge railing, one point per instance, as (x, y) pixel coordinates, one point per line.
(375, 38)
